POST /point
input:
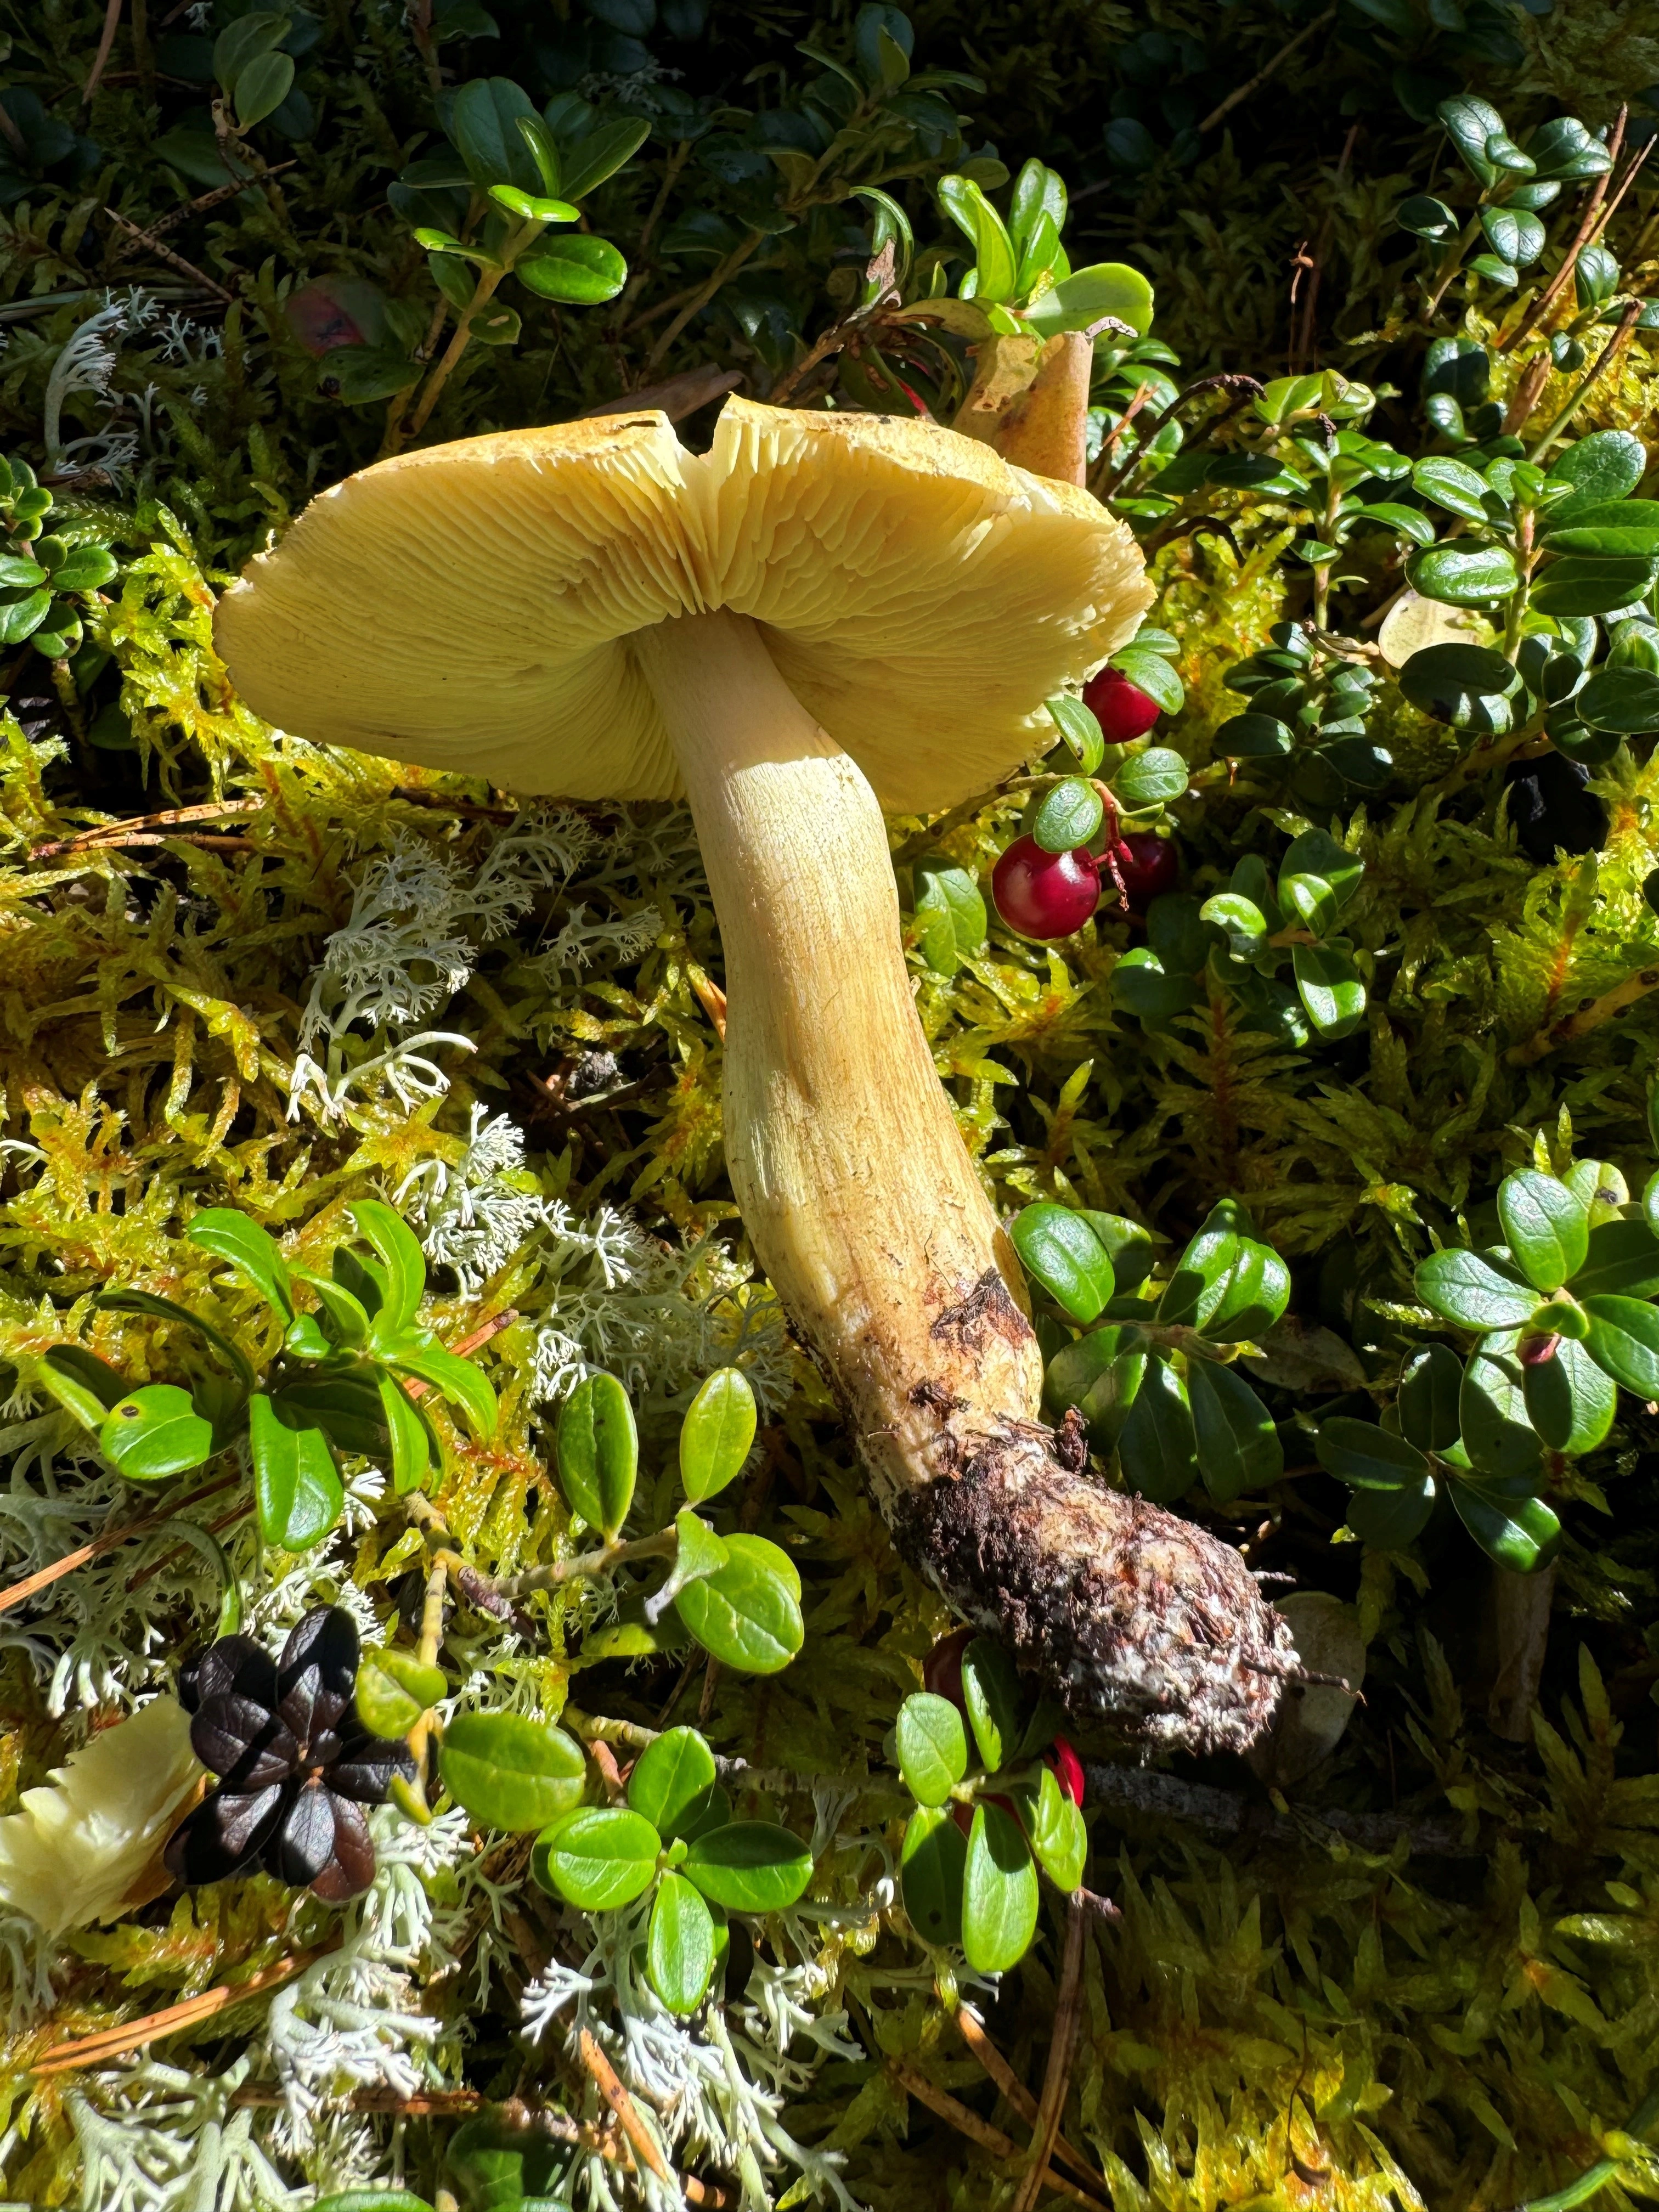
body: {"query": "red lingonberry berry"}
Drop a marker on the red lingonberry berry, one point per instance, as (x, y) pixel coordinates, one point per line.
(1045, 894)
(1146, 866)
(1068, 1770)
(1122, 709)
(941, 1670)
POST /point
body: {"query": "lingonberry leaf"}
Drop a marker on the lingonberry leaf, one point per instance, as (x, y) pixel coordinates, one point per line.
(411, 1440)
(599, 1452)
(1238, 1446)
(1368, 1457)
(600, 1857)
(395, 1245)
(1067, 815)
(1546, 1226)
(679, 1944)
(999, 1892)
(509, 1771)
(673, 1784)
(698, 1553)
(749, 1866)
(748, 1615)
(146, 1302)
(1060, 1250)
(1622, 1261)
(1388, 1520)
(1154, 777)
(1158, 1445)
(154, 1433)
(717, 1434)
(1491, 1413)
(1570, 1400)
(990, 1691)
(82, 1382)
(1624, 1342)
(1080, 732)
(1510, 1523)
(1466, 575)
(1474, 1290)
(932, 1864)
(933, 1748)
(1428, 1398)
(456, 1380)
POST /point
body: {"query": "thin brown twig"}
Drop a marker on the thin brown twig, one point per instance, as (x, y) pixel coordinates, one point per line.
(1558, 284)
(610, 2087)
(112, 20)
(84, 2051)
(111, 1540)
(967, 2123)
(1604, 361)
(1610, 207)
(199, 206)
(165, 253)
(114, 833)
(973, 2034)
(1057, 2078)
(1243, 91)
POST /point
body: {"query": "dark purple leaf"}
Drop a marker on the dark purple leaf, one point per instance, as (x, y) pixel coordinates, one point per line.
(221, 1836)
(234, 1666)
(243, 1742)
(365, 1768)
(351, 1869)
(318, 1671)
(304, 1842)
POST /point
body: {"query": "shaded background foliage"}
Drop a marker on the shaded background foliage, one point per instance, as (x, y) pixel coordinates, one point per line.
(1292, 2016)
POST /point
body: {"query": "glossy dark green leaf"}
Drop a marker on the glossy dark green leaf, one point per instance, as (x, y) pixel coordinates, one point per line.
(600, 1857)
(1470, 124)
(933, 1748)
(717, 1434)
(410, 1438)
(932, 1861)
(1474, 1290)
(456, 1381)
(598, 155)
(950, 913)
(1156, 1445)
(1462, 575)
(679, 1945)
(1060, 1250)
(1152, 673)
(1238, 1446)
(1624, 1341)
(1317, 878)
(1331, 989)
(1510, 1522)
(155, 1431)
(1067, 815)
(749, 1866)
(1452, 484)
(674, 1783)
(483, 125)
(1254, 736)
(1425, 217)
(1367, 1457)
(1429, 1392)
(1469, 687)
(999, 1892)
(1570, 1400)
(1491, 1415)
(510, 1772)
(1127, 1245)
(1606, 465)
(599, 1452)
(990, 1691)
(1060, 1842)
(395, 1245)
(1243, 921)
(1080, 732)
(147, 1301)
(1623, 1260)
(262, 88)
(698, 1554)
(1546, 1226)
(1156, 777)
(1388, 1520)
(1592, 583)
(297, 1492)
(574, 268)
(1623, 699)
(749, 1614)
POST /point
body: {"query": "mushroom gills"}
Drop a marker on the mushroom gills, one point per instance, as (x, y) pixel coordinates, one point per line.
(871, 1220)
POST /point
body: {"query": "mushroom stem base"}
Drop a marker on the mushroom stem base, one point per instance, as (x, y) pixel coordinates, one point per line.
(869, 1217)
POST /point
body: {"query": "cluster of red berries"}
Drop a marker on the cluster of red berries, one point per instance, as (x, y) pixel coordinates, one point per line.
(941, 1673)
(1049, 894)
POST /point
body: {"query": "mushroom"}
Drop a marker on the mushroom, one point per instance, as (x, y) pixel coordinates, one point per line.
(824, 616)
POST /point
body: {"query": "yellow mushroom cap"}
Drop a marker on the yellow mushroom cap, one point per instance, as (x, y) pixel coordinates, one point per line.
(468, 607)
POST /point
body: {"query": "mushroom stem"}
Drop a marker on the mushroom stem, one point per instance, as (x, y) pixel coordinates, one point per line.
(870, 1219)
